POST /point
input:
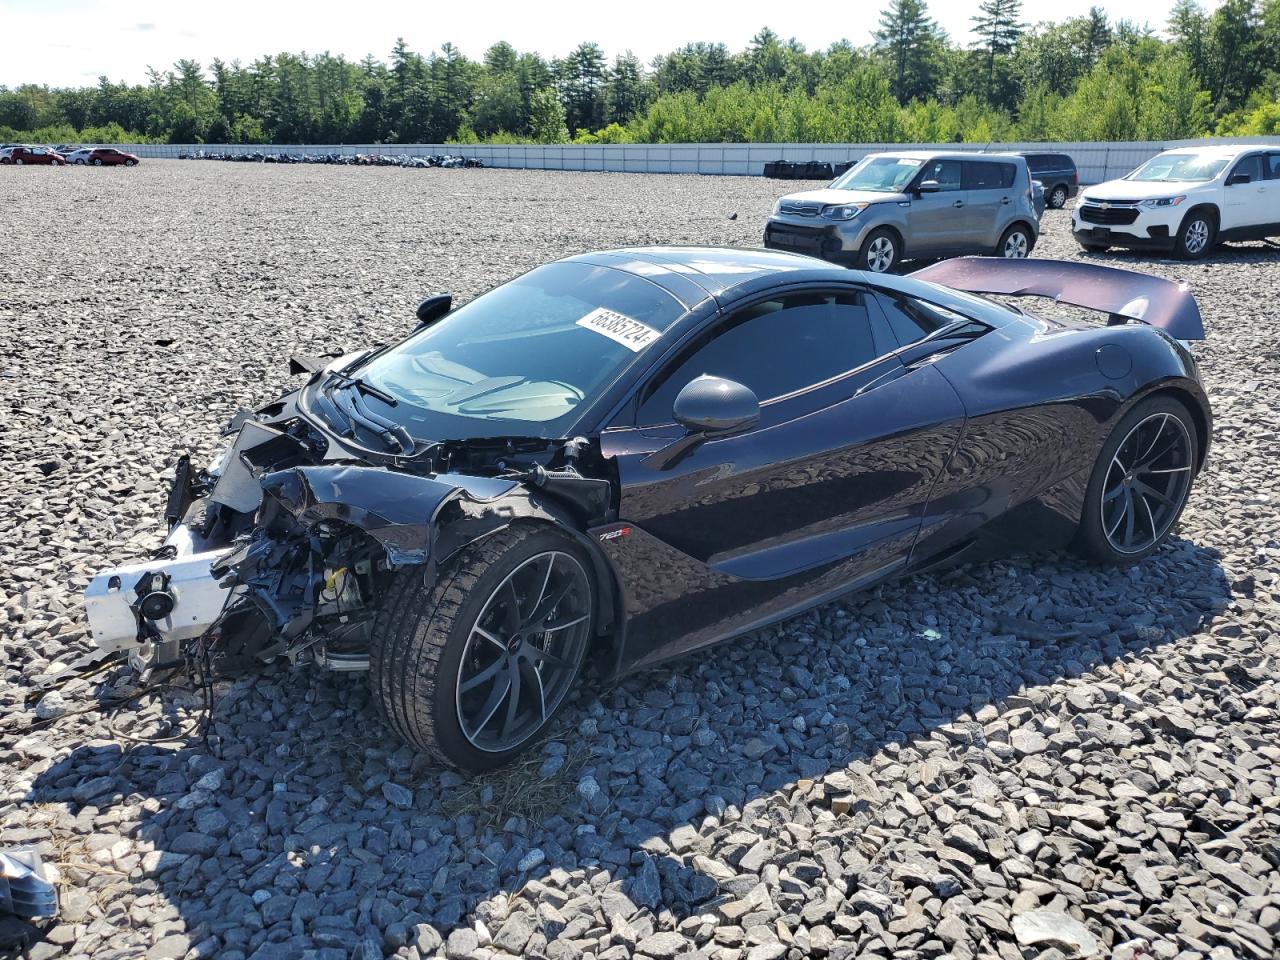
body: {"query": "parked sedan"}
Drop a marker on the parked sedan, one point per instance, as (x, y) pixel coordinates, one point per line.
(29, 156)
(635, 453)
(79, 156)
(111, 157)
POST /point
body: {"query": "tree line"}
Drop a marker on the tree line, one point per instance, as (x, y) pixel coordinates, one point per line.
(1084, 78)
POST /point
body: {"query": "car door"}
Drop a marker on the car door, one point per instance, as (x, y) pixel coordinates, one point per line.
(935, 221)
(1245, 204)
(988, 187)
(1272, 196)
(826, 492)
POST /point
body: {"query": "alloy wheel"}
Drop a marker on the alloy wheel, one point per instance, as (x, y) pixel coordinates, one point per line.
(1146, 483)
(880, 255)
(1015, 245)
(523, 652)
(1197, 236)
(1058, 199)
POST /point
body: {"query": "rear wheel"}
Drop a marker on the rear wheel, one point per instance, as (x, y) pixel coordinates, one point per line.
(20, 162)
(1058, 197)
(1195, 236)
(1016, 243)
(473, 668)
(880, 253)
(1140, 482)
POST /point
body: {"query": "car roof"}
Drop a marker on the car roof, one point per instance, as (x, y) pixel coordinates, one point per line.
(940, 154)
(691, 273)
(1223, 149)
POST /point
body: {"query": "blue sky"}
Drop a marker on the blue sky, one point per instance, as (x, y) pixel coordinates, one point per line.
(72, 42)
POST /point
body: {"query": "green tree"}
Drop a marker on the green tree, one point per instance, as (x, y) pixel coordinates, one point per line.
(998, 28)
(909, 42)
(546, 119)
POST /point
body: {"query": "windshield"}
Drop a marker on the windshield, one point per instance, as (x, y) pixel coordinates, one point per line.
(1179, 168)
(524, 358)
(878, 174)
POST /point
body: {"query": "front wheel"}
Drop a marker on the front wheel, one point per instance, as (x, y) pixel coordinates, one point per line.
(473, 668)
(1195, 236)
(1016, 243)
(20, 162)
(97, 163)
(880, 253)
(128, 163)
(1140, 482)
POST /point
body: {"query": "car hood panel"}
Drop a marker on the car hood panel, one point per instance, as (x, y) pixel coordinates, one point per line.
(829, 197)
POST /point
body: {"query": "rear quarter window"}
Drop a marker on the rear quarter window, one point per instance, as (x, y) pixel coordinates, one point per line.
(984, 175)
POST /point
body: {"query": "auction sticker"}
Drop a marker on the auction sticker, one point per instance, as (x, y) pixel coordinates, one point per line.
(632, 334)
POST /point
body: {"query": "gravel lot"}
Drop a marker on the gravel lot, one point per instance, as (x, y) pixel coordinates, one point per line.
(1031, 758)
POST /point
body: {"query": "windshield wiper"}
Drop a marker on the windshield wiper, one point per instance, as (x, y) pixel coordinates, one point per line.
(364, 386)
(355, 410)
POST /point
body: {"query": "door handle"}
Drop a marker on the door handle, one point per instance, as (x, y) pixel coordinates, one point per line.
(1004, 200)
(958, 203)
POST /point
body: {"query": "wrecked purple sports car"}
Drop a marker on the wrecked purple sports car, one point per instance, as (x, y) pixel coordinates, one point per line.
(632, 454)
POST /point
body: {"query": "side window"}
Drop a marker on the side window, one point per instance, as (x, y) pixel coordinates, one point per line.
(776, 347)
(912, 319)
(946, 172)
(1273, 165)
(984, 175)
(1038, 163)
(1252, 165)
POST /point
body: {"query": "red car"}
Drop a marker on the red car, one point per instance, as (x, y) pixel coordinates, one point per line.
(24, 155)
(110, 156)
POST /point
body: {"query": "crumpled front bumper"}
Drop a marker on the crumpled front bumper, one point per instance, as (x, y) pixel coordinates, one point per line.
(158, 603)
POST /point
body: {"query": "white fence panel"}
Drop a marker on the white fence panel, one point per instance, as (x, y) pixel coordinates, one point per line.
(1095, 161)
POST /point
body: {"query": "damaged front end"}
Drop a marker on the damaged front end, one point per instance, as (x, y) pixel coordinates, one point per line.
(285, 547)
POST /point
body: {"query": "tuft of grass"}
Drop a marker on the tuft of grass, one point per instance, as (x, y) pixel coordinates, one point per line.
(517, 790)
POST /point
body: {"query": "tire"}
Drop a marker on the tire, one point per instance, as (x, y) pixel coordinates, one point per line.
(19, 162)
(1162, 431)
(1016, 243)
(1195, 236)
(81, 162)
(429, 643)
(881, 251)
(97, 162)
(1057, 198)
(128, 163)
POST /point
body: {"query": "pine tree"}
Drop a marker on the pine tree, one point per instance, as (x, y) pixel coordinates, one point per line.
(909, 40)
(998, 29)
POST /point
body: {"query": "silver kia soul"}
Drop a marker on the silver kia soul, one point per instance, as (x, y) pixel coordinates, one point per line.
(890, 207)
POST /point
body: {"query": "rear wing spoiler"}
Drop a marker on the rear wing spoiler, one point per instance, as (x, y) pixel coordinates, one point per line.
(1123, 294)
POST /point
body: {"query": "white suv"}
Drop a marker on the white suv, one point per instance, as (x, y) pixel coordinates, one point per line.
(1185, 200)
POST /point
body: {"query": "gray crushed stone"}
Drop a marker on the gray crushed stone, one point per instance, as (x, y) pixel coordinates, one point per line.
(1024, 758)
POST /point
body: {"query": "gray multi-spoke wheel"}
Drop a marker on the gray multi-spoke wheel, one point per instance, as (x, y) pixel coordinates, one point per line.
(473, 667)
(880, 253)
(1016, 243)
(1141, 482)
(523, 652)
(1195, 236)
(1058, 198)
